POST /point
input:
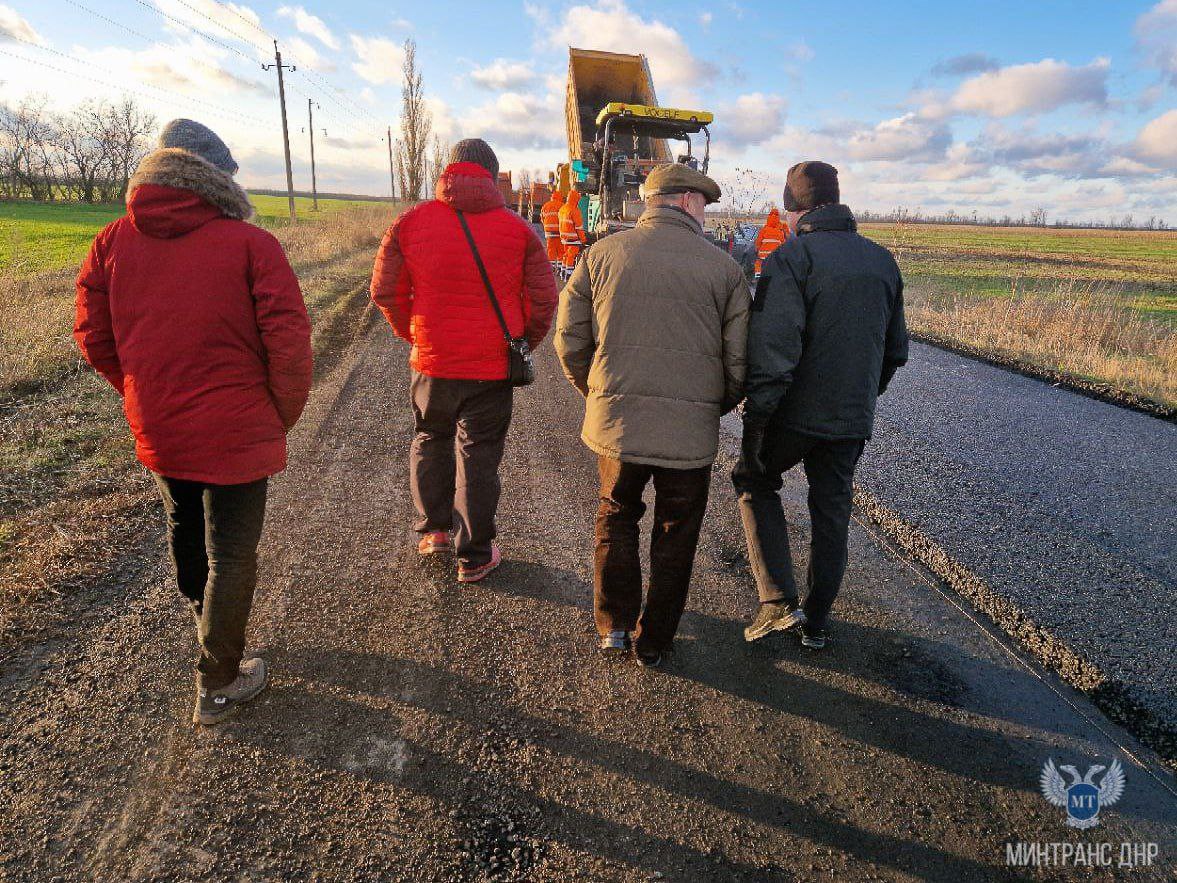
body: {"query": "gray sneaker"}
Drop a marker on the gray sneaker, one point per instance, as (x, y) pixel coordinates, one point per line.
(774, 616)
(814, 639)
(615, 643)
(214, 706)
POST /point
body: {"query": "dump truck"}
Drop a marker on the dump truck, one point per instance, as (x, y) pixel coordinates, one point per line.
(617, 133)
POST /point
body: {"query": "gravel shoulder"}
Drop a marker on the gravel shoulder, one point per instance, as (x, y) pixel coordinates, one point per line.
(417, 730)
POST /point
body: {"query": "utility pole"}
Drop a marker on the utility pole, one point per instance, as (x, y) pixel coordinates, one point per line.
(285, 128)
(314, 181)
(391, 167)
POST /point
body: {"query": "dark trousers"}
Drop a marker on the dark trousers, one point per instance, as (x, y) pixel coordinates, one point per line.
(454, 460)
(680, 500)
(213, 533)
(829, 468)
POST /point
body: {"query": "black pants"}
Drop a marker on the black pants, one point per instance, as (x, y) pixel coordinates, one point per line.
(829, 468)
(469, 418)
(213, 533)
(680, 501)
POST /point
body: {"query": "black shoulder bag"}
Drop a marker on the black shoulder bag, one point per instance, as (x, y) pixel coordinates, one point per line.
(520, 366)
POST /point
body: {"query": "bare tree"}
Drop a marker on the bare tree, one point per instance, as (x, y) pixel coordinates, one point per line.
(415, 124)
(746, 194)
(438, 160)
(126, 130)
(26, 149)
(81, 152)
(525, 193)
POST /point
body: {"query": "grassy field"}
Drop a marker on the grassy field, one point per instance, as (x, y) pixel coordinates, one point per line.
(37, 236)
(1139, 267)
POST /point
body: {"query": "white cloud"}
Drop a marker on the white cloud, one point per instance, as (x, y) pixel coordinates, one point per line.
(503, 74)
(614, 27)
(1156, 38)
(705, 19)
(907, 138)
(517, 120)
(800, 52)
(379, 59)
(1157, 141)
(960, 163)
(1029, 88)
(14, 27)
(218, 20)
(753, 118)
(311, 25)
(304, 53)
(192, 68)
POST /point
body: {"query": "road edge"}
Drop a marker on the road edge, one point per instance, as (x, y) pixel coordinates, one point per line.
(1109, 694)
(1102, 392)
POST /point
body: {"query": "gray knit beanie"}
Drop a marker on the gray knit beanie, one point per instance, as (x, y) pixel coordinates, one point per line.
(201, 140)
(476, 150)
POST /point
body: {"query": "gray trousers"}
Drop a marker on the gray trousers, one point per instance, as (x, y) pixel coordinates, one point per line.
(461, 429)
(829, 469)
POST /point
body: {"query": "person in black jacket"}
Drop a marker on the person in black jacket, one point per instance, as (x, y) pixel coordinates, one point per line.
(826, 335)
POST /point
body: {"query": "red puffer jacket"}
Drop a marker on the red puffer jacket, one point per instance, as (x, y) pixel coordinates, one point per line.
(196, 318)
(427, 285)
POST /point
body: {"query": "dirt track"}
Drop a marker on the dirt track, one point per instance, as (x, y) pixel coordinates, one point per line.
(417, 730)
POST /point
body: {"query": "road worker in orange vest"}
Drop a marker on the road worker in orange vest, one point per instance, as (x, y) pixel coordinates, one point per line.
(771, 236)
(549, 215)
(572, 234)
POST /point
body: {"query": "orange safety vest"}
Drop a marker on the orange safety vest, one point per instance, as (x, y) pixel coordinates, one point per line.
(550, 217)
(571, 223)
(768, 240)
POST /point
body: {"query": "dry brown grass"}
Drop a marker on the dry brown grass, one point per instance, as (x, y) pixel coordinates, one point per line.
(1079, 329)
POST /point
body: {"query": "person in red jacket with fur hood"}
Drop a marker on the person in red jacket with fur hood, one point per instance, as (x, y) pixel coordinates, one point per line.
(427, 284)
(197, 320)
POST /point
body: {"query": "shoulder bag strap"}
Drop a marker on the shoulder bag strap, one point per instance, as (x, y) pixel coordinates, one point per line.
(485, 278)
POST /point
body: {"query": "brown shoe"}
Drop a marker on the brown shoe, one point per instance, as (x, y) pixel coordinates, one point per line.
(214, 706)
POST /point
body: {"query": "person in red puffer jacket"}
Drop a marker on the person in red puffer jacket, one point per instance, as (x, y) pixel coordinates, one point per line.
(427, 284)
(196, 319)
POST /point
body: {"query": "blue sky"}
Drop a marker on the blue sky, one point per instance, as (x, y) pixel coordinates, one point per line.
(996, 107)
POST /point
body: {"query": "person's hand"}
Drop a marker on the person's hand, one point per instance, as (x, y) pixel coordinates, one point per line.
(752, 449)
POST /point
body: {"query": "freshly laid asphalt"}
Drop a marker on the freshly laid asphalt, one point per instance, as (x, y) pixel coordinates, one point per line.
(1065, 505)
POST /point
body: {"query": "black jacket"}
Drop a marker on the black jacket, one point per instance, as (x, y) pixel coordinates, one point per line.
(827, 330)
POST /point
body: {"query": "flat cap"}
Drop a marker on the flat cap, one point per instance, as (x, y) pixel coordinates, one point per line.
(678, 178)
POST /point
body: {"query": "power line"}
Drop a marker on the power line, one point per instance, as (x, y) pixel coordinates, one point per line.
(212, 108)
(328, 95)
(198, 33)
(252, 24)
(109, 20)
(218, 24)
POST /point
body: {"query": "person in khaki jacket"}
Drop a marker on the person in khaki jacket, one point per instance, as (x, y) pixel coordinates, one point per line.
(651, 330)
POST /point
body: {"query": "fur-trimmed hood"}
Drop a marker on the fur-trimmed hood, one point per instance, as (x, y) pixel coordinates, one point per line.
(174, 191)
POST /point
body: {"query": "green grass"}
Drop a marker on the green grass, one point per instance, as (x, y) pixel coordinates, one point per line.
(49, 236)
(1139, 267)
(37, 236)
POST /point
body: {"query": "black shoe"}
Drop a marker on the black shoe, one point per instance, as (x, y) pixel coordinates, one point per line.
(774, 616)
(814, 640)
(649, 658)
(616, 643)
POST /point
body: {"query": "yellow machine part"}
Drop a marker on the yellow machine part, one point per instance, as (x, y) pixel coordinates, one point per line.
(672, 114)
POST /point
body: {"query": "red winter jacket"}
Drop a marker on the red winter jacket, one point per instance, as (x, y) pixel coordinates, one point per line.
(427, 285)
(196, 318)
